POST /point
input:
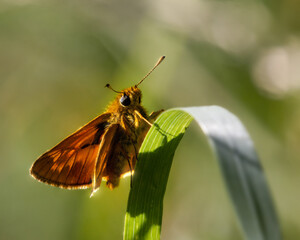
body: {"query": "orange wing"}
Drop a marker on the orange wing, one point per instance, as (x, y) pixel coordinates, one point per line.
(71, 163)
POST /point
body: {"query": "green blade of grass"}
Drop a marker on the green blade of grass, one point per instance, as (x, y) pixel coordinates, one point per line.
(238, 162)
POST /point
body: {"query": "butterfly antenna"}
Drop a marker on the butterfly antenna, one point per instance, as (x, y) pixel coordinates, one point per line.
(158, 62)
(108, 86)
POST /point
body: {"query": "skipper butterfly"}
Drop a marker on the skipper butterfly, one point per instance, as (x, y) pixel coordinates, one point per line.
(104, 149)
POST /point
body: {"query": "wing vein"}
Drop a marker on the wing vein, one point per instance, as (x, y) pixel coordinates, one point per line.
(47, 162)
(71, 166)
(57, 165)
(65, 166)
(86, 160)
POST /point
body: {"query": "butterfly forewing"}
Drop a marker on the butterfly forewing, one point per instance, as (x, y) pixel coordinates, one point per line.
(71, 163)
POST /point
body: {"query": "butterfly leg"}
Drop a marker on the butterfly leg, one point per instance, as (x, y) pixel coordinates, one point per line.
(133, 159)
(142, 118)
(154, 115)
(130, 167)
(135, 151)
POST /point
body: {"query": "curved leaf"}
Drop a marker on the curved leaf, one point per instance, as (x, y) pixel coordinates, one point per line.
(239, 164)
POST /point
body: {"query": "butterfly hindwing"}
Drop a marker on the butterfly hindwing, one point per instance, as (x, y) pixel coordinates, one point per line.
(107, 146)
(71, 163)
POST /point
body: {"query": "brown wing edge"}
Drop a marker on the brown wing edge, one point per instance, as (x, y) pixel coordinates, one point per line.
(35, 175)
(60, 185)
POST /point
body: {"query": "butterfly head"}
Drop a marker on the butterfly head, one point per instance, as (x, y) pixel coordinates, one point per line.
(130, 97)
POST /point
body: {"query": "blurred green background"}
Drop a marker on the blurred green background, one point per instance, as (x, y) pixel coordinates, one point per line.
(56, 57)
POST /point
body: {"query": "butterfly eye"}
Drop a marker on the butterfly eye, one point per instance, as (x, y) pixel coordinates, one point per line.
(139, 99)
(125, 100)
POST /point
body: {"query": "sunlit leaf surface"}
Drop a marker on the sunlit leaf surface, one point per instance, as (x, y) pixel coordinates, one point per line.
(238, 161)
